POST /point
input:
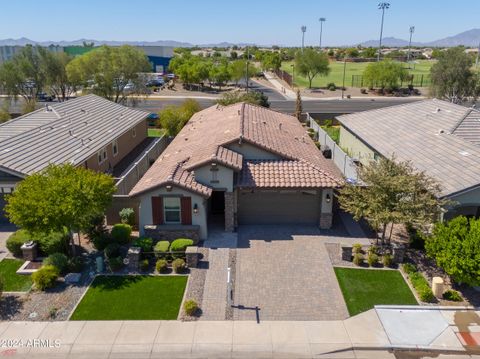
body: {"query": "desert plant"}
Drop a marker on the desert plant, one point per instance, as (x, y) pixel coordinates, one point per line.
(191, 307)
(358, 259)
(115, 263)
(121, 233)
(58, 260)
(161, 266)
(373, 249)
(127, 216)
(356, 248)
(387, 260)
(331, 86)
(161, 248)
(144, 243)
(178, 265)
(452, 295)
(112, 250)
(75, 264)
(372, 259)
(422, 287)
(45, 277)
(409, 268)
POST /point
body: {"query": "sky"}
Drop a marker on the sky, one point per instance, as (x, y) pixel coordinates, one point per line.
(263, 22)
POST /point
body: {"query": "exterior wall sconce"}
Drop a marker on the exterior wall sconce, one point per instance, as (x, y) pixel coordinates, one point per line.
(328, 199)
(195, 208)
(169, 188)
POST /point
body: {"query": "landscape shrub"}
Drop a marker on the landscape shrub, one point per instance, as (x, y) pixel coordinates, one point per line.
(45, 277)
(363, 91)
(422, 287)
(47, 243)
(127, 216)
(144, 265)
(452, 295)
(112, 250)
(1, 286)
(178, 265)
(101, 242)
(331, 86)
(190, 307)
(409, 268)
(161, 248)
(373, 249)
(98, 234)
(115, 263)
(16, 240)
(75, 264)
(416, 238)
(180, 245)
(356, 248)
(121, 233)
(143, 242)
(58, 260)
(387, 260)
(372, 259)
(161, 266)
(358, 259)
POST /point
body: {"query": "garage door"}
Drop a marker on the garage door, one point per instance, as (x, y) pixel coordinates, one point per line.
(277, 207)
(3, 218)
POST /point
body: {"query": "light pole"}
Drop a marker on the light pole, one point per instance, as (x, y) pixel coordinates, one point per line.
(412, 30)
(303, 28)
(382, 6)
(246, 70)
(344, 70)
(293, 75)
(322, 20)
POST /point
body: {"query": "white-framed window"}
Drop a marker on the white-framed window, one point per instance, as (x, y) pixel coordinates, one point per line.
(171, 210)
(134, 132)
(115, 147)
(102, 155)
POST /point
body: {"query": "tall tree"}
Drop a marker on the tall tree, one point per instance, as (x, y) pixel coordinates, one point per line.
(392, 192)
(107, 71)
(311, 63)
(54, 66)
(61, 198)
(298, 106)
(384, 74)
(271, 61)
(453, 78)
(172, 118)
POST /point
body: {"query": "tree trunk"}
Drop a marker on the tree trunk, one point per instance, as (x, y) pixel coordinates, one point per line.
(383, 233)
(72, 242)
(390, 235)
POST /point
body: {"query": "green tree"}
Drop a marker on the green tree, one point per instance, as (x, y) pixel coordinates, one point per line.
(238, 70)
(253, 97)
(219, 72)
(453, 78)
(455, 247)
(60, 198)
(233, 55)
(392, 192)
(106, 71)
(298, 106)
(369, 53)
(352, 52)
(271, 61)
(54, 66)
(311, 63)
(172, 118)
(384, 74)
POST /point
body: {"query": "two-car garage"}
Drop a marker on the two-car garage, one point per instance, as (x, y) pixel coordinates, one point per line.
(278, 207)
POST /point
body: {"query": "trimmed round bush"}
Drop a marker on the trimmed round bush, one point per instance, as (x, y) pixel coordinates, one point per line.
(144, 243)
(180, 245)
(121, 233)
(190, 307)
(161, 248)
(387, 260)
(144, 264)
(101, 241)
(452, 295)
(112, 250)
(179, 265)
(127, 215)
(75, 264)
(58, 260)
(372, 259)
(358, 259)
(45, 277)
(50, 243)
(115, 263)
(16, 240)
(356, 248)
(161, 266)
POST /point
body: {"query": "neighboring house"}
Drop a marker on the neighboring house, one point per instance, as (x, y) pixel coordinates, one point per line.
(438, 137)
(88, 131)
(240, 164)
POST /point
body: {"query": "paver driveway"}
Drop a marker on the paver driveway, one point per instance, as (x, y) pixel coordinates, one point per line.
(286, 272)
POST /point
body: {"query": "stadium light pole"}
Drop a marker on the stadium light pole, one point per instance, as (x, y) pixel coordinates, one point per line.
(382, 6)
(412, 30)
(303, 28)
(322, 20)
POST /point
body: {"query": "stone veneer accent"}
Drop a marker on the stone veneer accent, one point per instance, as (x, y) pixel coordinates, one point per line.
(229, 212)
(326, 220)
(191, 256)
(133, 257)
(29, 251)
(172, 232)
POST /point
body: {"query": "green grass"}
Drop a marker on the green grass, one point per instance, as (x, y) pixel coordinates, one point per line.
(422, 67)
(132, 298)
(13, 282)
(362, 289)
(155, 132)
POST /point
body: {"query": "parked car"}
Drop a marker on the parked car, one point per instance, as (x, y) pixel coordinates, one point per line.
(44, 97)
(155, 83)
(152, 119)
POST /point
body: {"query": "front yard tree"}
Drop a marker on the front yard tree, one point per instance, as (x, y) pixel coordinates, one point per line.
(106, 71)
(384, 74)
(60, 198)
(453, 78)
(311, 63)
(54, 66)
(172, 118)
(455, 246)
(391, 192)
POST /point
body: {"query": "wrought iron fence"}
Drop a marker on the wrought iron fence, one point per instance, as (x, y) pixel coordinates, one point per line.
(413, 80)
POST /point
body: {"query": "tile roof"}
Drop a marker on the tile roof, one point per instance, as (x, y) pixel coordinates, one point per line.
(84, 126)
(430, 133)
(206, 137)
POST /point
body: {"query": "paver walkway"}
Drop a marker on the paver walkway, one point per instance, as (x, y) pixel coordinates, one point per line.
(287, 273)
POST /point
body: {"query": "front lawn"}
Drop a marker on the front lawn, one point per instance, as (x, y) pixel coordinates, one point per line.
(132, 298)
(362, 289)
(13, 282)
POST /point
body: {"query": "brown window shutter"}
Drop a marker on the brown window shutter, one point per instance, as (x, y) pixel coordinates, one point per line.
(186, 208)
(157, 210)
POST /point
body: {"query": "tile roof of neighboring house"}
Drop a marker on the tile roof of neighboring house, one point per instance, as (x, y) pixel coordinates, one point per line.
(84, 126)
(437, 136)
(206, 137)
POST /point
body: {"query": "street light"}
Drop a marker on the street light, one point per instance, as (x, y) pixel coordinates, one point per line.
(382, 6)
(293, 75)
(412, 30)
(322, 20)
(303, 28)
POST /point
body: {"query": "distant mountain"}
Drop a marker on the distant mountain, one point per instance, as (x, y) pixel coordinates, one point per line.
(386, 41)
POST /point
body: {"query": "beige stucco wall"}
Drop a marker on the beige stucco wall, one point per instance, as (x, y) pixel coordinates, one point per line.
(145, 208)
(325, 206)
(224, 177)
(252, 152)
(126, 143)
(355, 147)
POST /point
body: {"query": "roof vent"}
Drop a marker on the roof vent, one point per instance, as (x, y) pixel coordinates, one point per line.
(438, 109)
(464, 153)
(83, 110)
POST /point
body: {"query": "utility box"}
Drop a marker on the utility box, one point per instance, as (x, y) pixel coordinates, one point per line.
(438, 286)
(29, 251)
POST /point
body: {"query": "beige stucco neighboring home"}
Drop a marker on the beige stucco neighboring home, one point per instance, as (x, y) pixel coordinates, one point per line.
(438, 137)
(233, 165)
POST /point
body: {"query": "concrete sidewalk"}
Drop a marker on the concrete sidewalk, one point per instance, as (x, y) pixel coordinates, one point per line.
(362, 336)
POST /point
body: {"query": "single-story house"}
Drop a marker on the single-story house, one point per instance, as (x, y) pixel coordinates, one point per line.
(88, 131)
(438, 137)
(233, 165)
